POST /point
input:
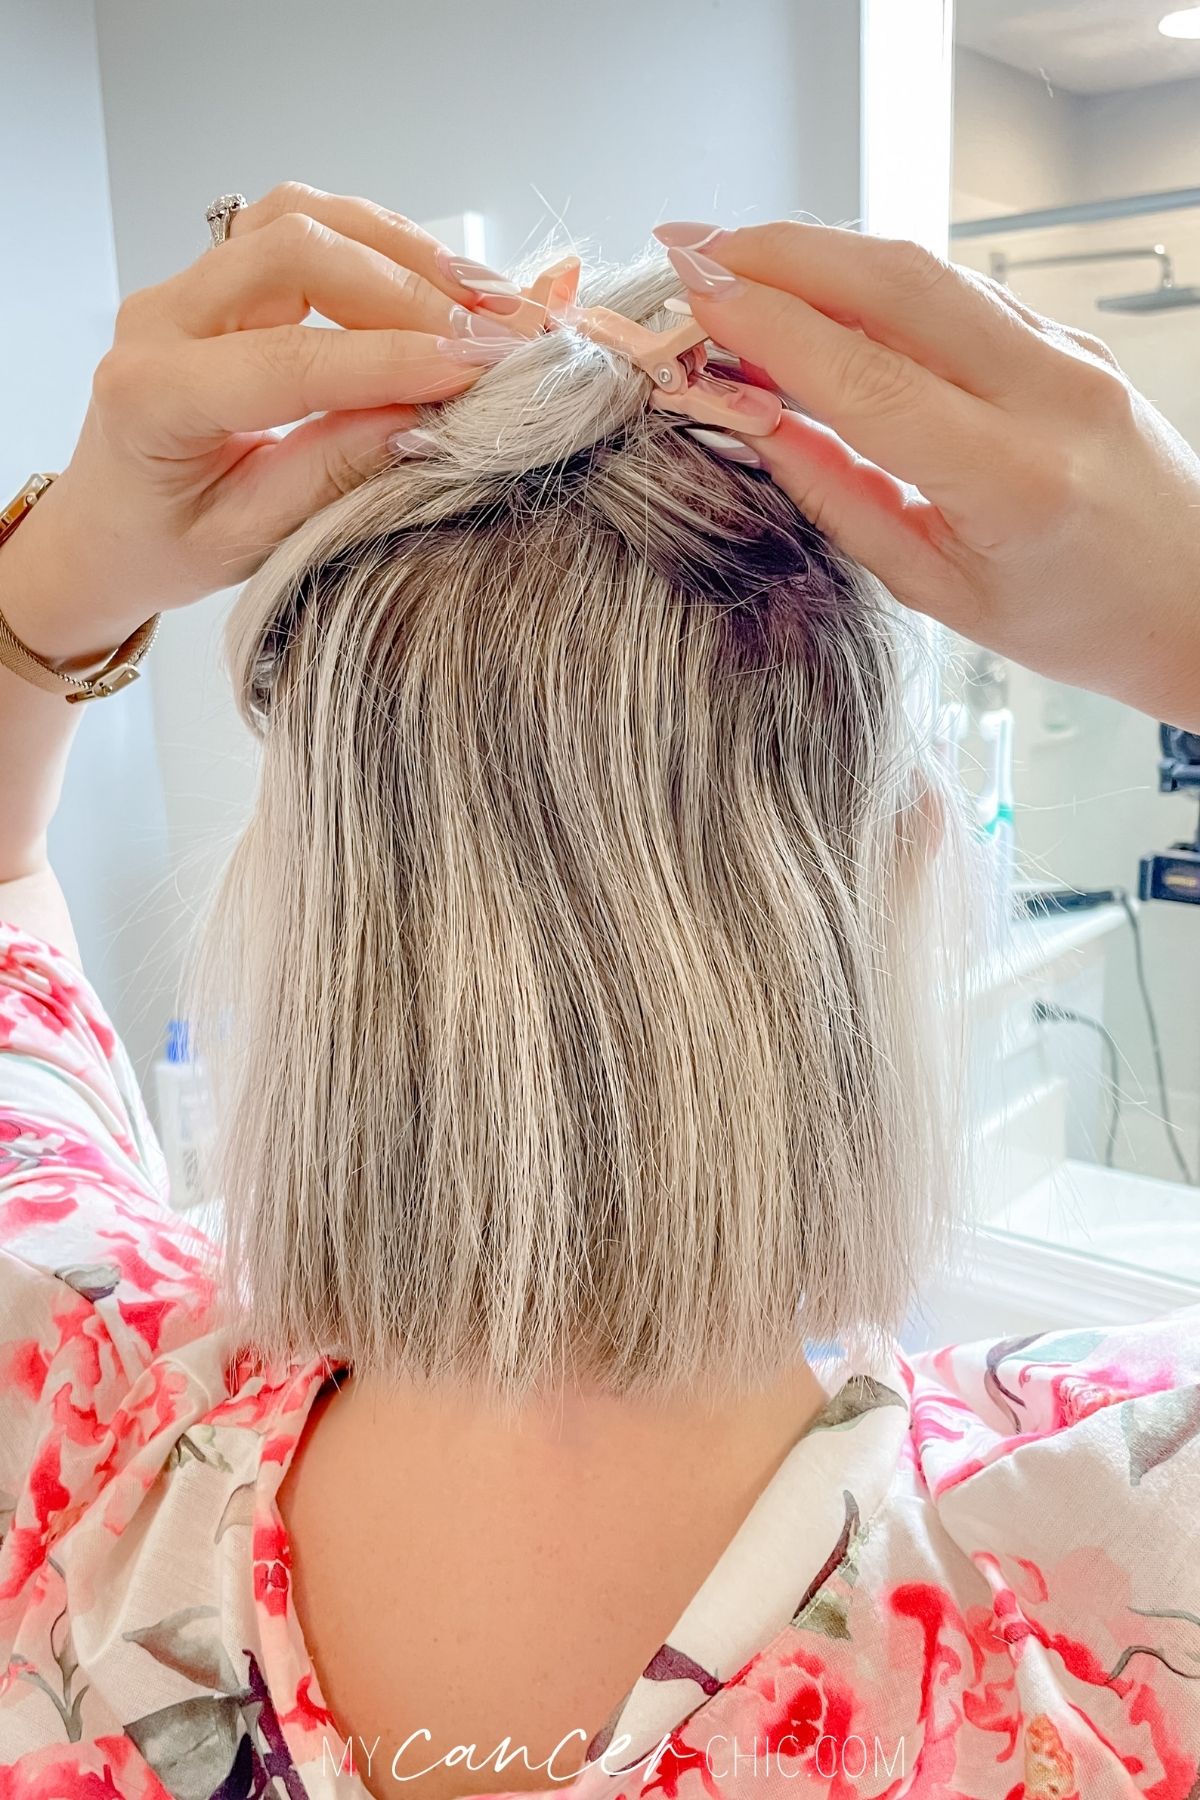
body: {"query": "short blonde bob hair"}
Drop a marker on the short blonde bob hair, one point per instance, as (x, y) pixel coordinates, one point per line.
(578, 966)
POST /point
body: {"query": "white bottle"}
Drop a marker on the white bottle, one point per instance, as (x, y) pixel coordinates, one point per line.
(994, 808)
(183, 1115)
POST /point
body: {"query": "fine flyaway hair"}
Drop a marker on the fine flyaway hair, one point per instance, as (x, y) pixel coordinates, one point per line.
(575, 997)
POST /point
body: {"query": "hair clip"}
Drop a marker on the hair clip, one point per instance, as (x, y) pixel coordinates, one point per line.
(674, 360)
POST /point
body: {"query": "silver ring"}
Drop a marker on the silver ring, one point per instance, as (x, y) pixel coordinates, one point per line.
(220, 213)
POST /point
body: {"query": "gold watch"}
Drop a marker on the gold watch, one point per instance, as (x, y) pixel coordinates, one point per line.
(115, 672)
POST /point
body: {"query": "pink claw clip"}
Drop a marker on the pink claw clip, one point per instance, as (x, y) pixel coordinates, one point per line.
(674, 360)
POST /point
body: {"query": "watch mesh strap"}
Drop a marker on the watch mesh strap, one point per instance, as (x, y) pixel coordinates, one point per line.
(114, 672)
(117, 671)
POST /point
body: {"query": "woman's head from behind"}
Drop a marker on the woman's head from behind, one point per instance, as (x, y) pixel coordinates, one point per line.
(572, 955)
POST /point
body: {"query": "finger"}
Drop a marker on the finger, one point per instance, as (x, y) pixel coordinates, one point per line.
(293, 266)
(390, 233)
(917, 427)
(254, 380)
(949, 320)
(868, 515)
(285, 482)
(957, 323)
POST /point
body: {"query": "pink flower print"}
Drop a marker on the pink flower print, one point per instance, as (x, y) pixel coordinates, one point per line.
(54, 1773)
(83, 1343)
(1079, 1392)
(136, 1779)
(804, 1706)
(1079, 1659)
(670, 1766)
(23, 1145)
(272, 1566)
(786, 1708)
(23, 1366)
(54, 1159)
(146, 1317)
(154, 1402)
(25, 1545)
(122, 1249)
(21, 1210)
(42, 992)
(76, 1424)
(307, 1713)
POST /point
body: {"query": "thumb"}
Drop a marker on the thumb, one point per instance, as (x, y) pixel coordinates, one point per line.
(322, 459)
(865, 512)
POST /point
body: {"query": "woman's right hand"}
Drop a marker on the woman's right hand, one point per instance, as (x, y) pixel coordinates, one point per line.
(185, 476)
(1058, 514)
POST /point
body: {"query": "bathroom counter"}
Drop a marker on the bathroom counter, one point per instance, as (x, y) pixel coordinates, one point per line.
(1034, 944)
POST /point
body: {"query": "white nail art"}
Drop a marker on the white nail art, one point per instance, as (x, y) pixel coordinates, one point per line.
(482, 280)
(724, 444)
(417, 442)
(484, 328)
(677, 304)
(491, 287)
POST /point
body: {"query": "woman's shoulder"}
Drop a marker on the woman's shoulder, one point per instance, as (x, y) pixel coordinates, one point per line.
(140, 1444)
(1020, 1612)
(98, 1276)
(1128, 1395)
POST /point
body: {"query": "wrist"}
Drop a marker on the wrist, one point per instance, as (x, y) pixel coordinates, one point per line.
(45, 593)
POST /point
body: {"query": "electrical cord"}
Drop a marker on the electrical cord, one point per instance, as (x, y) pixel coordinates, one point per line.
(1169, 1125)
(1046, 1013)
(1041, 901)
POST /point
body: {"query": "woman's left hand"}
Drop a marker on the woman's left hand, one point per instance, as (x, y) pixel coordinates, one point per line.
(996, 470)
(181, 482)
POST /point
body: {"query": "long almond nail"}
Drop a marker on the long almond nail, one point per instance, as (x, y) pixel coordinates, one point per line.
(725, 445)
(686, 234)
(758, 410)
(705, 277)
(500, 304)
(481, 327)
(476, 276)
(724, 364)
(416, 442)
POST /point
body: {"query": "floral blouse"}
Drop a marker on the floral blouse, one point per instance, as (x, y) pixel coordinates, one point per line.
(976, 1574)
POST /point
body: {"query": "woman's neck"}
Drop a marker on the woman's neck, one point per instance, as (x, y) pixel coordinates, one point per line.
(558, 1430)
(553, 1547)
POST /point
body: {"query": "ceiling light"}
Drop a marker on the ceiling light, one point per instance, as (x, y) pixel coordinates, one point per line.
(1183, 24)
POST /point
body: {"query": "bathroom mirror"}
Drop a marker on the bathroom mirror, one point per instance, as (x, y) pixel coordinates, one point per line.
(1076, 180)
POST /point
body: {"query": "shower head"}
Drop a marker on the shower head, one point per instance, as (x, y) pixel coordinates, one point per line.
(1164, 298)
(1160, 299)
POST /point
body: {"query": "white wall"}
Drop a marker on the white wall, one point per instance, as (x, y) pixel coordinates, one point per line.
(1016, 142)
(608, 117)
(1139, 140)
(1088, 805)
(57, 300)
